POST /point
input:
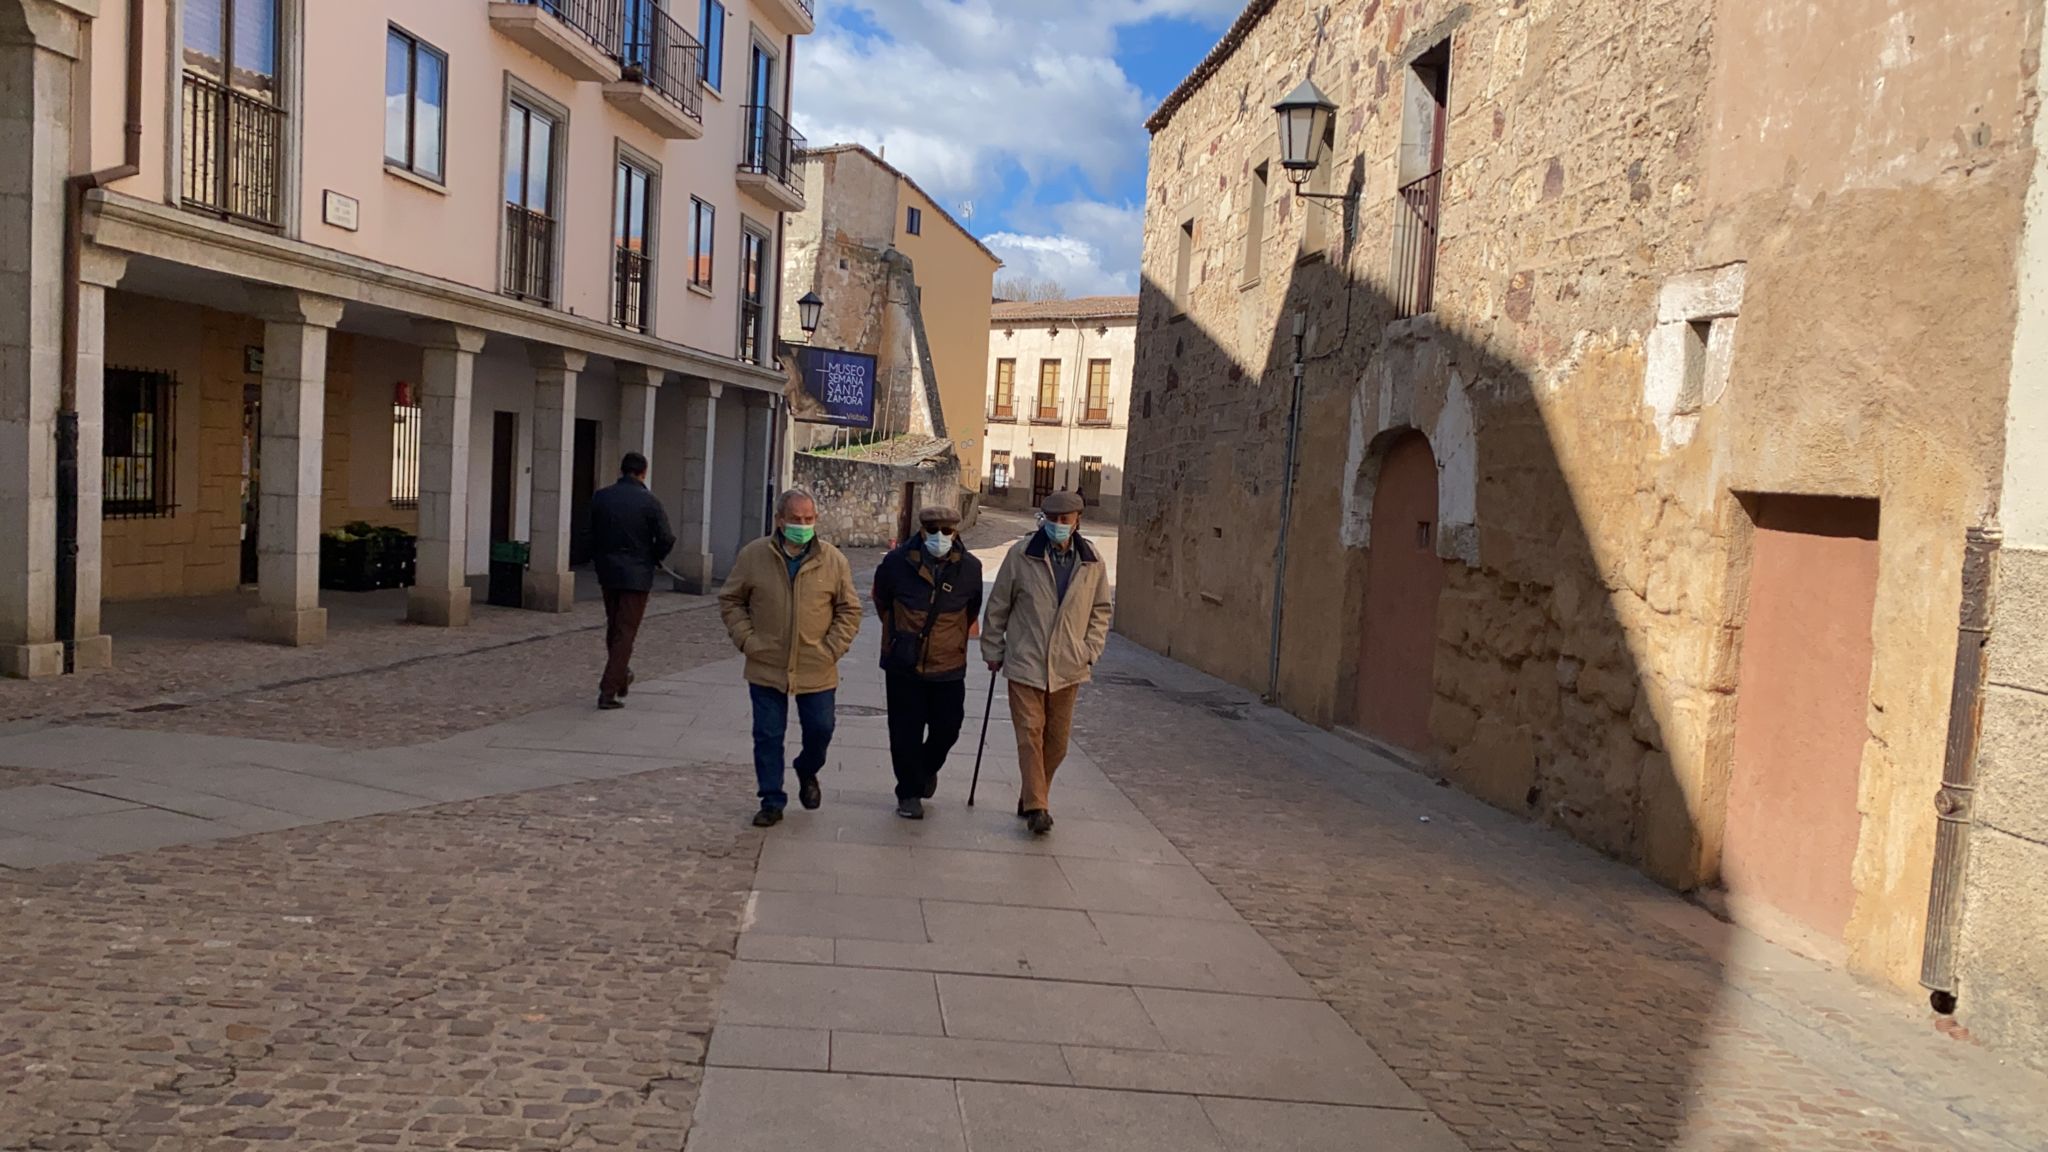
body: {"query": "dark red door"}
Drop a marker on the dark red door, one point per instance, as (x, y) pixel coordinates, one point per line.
(1397, 654)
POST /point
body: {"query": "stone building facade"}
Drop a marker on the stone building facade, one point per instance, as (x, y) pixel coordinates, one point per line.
(1059, 399)
(1652, 371)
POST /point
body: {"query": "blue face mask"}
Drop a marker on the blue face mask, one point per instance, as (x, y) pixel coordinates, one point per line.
(1058, 533)
(938, 546)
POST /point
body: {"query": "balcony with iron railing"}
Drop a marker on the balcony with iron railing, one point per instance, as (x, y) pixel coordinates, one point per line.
(661, 86)
(529, 255)
(769, 151)
(632, 280)
(1418, 213)
(583, 38)
(797, 16)
(233, 153)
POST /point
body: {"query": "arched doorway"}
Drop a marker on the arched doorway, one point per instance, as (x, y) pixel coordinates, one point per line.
(1397, 646)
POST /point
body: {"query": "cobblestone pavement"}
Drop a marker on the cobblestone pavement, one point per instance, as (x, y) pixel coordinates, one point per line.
(522, 972)
(1537, 997)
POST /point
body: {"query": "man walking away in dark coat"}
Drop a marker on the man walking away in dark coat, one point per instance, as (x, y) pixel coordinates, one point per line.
(630, 537)
(928, 593)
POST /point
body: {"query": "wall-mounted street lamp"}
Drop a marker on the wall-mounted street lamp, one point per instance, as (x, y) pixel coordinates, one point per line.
(809, 311)
(1305, 117)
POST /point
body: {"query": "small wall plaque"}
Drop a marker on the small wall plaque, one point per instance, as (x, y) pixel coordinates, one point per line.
(340, 211)
(252, 359)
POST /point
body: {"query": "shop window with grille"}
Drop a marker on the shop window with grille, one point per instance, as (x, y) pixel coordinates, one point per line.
(405, 454)
(999, 473)
(139, 457)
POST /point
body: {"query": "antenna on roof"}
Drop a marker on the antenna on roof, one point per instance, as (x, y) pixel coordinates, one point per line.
(967, 209)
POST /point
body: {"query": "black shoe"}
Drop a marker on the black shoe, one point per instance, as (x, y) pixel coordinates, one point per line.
(1022, 814)
(629, 685)
(808, 793)
(931, 787)
(1040, 822)
(609, 703)
(910, 809)
(767, 817)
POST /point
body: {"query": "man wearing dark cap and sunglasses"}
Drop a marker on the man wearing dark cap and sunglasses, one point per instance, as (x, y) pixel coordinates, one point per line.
(928, 593)
(1048, 622)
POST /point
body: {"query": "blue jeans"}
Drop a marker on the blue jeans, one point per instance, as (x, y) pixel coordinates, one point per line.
(771, 720)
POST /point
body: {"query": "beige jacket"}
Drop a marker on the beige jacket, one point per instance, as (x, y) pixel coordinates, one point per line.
(793, 632)
(1040, 640)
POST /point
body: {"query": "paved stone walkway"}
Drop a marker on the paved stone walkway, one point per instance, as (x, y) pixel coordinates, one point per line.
(956, 984)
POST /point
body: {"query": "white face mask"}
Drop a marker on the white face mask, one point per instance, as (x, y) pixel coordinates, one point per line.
(938, 546)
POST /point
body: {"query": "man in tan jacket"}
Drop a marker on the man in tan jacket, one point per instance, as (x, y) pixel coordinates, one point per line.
(791, 609)
(1048, 620)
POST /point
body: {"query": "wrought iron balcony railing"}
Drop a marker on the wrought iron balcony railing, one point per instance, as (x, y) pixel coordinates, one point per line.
(772, 146)
(234, 153)
(598, 20)
(663, 55)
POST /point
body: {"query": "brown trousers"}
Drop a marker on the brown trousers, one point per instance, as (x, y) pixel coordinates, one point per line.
(1043, 721)
(622, 613)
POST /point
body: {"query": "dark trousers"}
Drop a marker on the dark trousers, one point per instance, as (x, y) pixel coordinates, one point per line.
(814, 714)
(623, 611)
(924, 723)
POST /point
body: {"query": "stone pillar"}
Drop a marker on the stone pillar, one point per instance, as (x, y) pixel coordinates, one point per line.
(39, 44)
(693, 560)
(440, 591)
(295, 326)
(550, 586)
(99, 270)
(758, 471)
(638, 386)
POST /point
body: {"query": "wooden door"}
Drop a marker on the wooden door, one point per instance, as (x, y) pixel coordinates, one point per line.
(504, 473)
(1404, 577)
(1044, 477)
(1802, 710)
(582, 483)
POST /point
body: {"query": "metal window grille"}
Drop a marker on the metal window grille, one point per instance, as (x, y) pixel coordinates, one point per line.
(630, 285)
(138, 460)
(1416, 219)
(405, 456)
(529, 255)
(234, 152)
(999, 472)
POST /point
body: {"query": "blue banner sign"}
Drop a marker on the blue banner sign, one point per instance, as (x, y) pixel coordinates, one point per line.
(843, 383)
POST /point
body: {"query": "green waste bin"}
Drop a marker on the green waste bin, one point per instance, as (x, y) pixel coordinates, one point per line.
(509, 559)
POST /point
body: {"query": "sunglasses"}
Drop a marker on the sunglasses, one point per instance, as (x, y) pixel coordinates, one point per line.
(936, 531)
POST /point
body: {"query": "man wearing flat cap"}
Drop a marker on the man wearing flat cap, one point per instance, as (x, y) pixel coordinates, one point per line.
(928, 593)
(1048, 620)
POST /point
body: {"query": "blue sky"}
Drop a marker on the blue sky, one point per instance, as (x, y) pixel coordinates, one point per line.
(1031, 111)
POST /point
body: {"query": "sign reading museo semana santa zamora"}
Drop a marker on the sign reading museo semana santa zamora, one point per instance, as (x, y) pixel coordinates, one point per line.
(843, 383)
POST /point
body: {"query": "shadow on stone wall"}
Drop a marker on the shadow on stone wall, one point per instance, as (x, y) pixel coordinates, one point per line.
(1537, 704)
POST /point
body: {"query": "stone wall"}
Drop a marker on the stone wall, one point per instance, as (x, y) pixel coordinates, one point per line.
(1600, 205)
(859, 501)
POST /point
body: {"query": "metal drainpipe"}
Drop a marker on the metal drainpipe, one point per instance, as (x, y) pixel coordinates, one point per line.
(75, 189)
(1286, 515)
(1955, 803)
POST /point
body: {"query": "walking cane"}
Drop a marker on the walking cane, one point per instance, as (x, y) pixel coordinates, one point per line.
(983, 747)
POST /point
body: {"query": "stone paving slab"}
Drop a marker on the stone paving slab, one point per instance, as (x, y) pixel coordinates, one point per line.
(744, 1110)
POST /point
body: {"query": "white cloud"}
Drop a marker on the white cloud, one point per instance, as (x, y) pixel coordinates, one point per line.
(1091, 248)
(962, 93)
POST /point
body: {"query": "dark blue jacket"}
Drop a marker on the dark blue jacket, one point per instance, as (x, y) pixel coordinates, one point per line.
(629, 536)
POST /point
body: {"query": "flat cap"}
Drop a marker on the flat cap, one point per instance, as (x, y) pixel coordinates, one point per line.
(939, 516)
(1061, 503)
